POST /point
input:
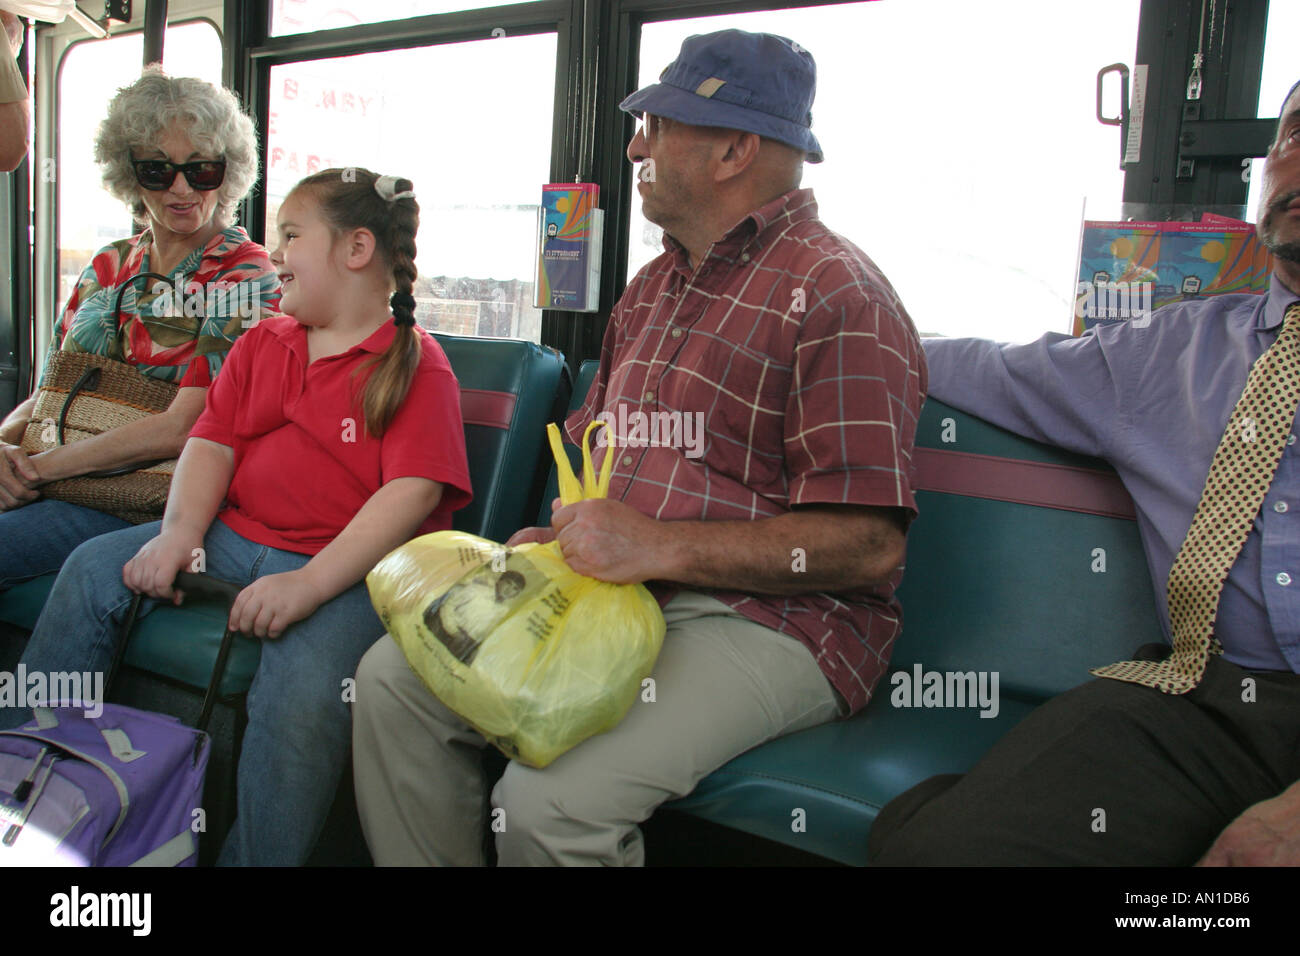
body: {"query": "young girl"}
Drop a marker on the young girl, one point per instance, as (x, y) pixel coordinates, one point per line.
(333, 435)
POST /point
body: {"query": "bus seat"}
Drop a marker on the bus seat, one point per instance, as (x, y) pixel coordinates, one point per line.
(1024, 562)
(21, 604)
(508, 389)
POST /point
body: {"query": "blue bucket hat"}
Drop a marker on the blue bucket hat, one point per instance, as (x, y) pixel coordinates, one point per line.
(756, 82)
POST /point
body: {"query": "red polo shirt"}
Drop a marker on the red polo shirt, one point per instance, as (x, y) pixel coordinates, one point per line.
(304, 464)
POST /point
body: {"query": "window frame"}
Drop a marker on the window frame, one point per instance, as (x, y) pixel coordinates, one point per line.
(561, 17)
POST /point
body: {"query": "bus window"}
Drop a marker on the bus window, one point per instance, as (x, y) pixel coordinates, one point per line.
(477, 159)
(92, 73)
(1276, 78)
(307, 16)
(959, 159)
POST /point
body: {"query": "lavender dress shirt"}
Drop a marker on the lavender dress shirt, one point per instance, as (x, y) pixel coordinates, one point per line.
(1153, 397)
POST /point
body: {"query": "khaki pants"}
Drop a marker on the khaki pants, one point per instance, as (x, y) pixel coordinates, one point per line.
(722, 685)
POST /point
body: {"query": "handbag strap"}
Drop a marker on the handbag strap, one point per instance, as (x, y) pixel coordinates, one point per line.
(126, 284)
(89, 380)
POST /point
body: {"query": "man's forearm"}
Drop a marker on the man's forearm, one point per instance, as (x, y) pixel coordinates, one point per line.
(13, 113)
(821, 548)
(844, 549)
(13, 135)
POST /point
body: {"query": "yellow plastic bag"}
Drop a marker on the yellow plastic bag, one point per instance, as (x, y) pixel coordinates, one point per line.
(536, 657)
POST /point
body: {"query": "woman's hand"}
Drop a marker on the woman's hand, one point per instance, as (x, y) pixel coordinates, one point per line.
(18, 478)
(270, 604)
(154, 567)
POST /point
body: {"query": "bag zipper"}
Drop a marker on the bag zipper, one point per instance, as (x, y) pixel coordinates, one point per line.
(20, 821)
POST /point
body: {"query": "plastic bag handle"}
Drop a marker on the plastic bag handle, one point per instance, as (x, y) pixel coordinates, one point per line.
(571, 491)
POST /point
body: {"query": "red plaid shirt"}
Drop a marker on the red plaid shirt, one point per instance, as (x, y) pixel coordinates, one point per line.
(794, 351)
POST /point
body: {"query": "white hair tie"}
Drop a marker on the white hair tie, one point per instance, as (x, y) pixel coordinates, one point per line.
(386, 186)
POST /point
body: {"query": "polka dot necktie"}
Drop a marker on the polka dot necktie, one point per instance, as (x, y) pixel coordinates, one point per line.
(1240, 475)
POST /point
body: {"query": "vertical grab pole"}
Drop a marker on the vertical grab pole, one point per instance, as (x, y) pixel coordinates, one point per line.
(155, 28)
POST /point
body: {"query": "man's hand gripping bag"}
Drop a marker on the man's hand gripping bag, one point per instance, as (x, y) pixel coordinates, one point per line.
(534, 655)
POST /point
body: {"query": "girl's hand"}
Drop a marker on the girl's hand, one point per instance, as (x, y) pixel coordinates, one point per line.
(270, 604)
(154, 567)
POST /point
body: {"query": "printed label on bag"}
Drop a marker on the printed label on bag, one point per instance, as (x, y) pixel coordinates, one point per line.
(473, 607)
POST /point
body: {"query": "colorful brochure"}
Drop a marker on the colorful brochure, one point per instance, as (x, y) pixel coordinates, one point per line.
(1128, 269)
(570, 229)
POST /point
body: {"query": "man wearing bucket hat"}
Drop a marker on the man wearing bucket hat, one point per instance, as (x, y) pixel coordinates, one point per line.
(774, 550)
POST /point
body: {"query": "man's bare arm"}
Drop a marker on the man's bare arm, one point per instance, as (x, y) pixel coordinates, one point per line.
(817, 548)
(13, 135)
(13, 98)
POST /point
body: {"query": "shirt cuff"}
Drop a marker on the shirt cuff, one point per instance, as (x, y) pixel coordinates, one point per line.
(12, 87)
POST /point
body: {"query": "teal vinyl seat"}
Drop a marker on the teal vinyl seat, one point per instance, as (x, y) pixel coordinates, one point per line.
(1004, 575)
(508, 388)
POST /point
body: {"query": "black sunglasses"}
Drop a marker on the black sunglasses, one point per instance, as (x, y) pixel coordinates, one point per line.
(157, 174)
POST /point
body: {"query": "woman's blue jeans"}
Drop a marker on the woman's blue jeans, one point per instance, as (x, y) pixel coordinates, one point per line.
(36, 539)
(299, 725)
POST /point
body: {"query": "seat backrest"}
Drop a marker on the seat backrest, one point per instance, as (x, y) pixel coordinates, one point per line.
(1024, 560)
(586, 375)
(507, 390)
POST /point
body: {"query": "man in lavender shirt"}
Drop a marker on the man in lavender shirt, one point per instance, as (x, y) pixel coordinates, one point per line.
(1210, 776)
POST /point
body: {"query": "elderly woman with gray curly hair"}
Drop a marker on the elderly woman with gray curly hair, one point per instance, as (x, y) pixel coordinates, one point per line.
(181, 153)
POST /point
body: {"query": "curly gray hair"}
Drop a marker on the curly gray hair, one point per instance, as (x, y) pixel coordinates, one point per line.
(212, 118)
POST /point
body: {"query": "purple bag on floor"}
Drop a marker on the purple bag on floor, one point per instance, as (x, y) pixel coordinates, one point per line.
(120, 789)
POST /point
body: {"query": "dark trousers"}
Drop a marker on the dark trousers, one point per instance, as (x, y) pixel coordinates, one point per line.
(1107, 774)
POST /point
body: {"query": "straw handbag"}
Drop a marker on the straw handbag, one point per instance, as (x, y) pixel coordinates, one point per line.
(86, 395)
